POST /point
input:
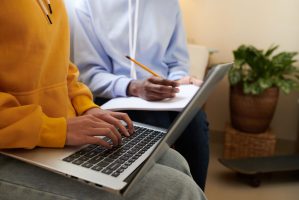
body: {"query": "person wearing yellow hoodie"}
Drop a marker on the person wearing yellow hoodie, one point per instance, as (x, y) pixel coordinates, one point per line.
(42, 104)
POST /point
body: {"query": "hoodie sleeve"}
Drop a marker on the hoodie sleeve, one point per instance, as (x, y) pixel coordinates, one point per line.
(93, 62)
(177, 57)
(79, 93)
(27, 126)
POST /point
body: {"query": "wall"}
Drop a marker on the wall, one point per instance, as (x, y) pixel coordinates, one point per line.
(224, 25)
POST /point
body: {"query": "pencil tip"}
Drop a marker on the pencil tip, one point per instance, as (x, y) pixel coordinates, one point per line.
(128, 57)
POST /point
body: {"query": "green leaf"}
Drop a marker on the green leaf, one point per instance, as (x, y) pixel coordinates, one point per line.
(271, 50)
(265, 83)
(258, 70)
(234, 76)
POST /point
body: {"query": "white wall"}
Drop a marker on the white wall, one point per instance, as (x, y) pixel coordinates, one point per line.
(224, 25)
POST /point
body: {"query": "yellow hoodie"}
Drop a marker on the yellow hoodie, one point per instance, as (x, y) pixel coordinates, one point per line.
(38, 85)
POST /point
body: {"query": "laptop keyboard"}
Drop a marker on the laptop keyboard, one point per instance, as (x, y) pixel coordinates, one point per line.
(116, 160)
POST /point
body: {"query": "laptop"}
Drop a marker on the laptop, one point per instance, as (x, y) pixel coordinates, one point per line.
(119, 169)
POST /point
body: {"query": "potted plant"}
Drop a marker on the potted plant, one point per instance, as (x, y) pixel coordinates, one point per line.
(255, 81)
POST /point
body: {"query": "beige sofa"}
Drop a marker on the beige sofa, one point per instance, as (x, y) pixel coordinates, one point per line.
(199, 59)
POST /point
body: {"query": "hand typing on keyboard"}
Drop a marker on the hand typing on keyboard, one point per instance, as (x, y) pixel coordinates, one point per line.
(116, 160)
(97, 122)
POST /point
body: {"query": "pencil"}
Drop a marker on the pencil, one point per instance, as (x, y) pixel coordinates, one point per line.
(143, 66)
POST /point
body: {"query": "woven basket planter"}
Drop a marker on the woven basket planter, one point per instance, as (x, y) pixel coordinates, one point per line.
(238, 144)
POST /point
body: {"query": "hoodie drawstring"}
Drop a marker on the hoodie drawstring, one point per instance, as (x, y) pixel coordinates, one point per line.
(45, 10)
(133, 35)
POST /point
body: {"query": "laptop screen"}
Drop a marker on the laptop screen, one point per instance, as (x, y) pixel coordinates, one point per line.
(214, 76)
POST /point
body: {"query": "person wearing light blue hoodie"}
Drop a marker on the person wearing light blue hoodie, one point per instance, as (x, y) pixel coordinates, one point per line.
(151, 31)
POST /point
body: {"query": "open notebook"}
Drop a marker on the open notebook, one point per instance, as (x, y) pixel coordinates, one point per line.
(119, 169)
(135, 103)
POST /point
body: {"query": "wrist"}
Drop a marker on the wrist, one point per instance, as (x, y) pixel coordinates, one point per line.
(91, 111)
(132, 89)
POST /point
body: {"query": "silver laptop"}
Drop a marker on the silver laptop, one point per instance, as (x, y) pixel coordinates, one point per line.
(119, 169)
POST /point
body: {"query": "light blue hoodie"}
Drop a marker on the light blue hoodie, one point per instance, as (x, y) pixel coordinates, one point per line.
(101, 42)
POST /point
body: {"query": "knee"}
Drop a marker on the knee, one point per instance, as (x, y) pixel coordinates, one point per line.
(176, 161)
(186, 188)
(177, 184)
(167, 183)
(189, 189)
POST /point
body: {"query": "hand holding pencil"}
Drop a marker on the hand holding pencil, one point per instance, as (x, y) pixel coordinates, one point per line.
(154, 88)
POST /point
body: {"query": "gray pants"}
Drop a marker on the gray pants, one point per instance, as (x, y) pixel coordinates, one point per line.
(168, 179)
